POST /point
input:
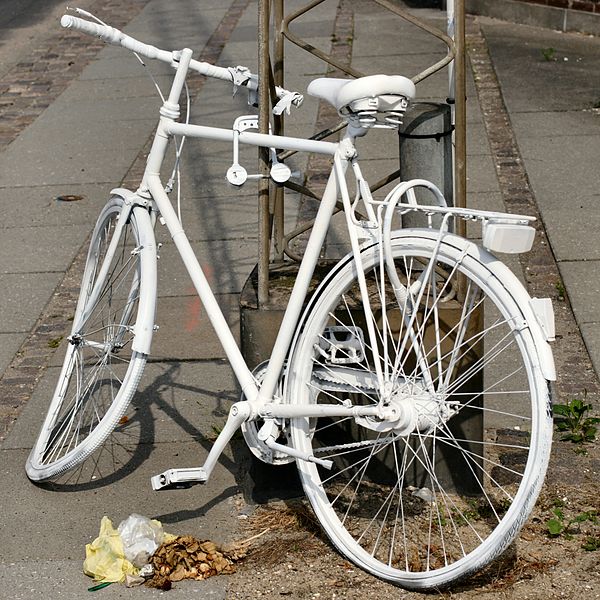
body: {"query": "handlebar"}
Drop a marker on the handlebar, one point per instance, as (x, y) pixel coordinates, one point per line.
(239, 76)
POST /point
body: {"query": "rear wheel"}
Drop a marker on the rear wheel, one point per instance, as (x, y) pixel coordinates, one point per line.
(101, 370)
(443, 489)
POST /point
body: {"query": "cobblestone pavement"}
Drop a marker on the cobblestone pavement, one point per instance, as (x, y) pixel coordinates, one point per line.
(32, 84)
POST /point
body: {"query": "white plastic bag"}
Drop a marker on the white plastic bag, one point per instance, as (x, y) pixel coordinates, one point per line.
(141, 537)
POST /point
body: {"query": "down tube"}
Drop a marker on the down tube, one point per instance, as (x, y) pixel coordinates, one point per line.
(305, 273)
(213, 310)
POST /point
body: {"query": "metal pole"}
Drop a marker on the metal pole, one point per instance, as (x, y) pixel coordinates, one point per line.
(264, 106)
(460, 135)
(460, 124)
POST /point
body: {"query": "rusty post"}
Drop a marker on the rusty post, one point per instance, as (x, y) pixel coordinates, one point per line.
(460, 123)
(264, 110)
(460, 119)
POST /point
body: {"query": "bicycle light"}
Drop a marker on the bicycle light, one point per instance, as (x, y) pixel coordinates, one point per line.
(507, 238)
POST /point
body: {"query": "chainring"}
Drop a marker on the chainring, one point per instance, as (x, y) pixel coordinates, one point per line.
(251, 428)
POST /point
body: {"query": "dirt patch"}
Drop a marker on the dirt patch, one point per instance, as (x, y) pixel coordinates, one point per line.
(295, 560)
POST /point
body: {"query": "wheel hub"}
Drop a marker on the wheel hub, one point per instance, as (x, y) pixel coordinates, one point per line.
(412, 408)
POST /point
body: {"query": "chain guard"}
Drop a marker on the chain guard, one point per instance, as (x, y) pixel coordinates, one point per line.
(251, 428)
(335, 378)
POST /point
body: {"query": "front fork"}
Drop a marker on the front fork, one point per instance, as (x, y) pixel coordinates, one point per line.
(101, 277)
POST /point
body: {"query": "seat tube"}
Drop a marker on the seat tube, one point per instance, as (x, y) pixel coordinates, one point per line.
(303, 278)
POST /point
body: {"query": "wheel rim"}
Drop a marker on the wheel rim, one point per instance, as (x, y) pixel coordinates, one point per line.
(390, 503)
(98, 362)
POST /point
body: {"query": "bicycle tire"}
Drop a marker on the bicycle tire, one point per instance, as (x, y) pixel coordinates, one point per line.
(101, 370)
(426, 506)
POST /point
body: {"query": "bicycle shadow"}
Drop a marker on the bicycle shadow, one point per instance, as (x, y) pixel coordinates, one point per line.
(131, 444)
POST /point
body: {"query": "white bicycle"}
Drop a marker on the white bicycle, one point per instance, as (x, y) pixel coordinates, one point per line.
(413, 389)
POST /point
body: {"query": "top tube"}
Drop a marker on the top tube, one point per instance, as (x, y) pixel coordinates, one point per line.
(251, 138)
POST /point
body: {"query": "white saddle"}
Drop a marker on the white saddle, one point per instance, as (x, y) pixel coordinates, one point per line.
(374, 94)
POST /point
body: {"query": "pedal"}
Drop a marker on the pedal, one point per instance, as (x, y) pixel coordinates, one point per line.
(178, 478)
(342, 345)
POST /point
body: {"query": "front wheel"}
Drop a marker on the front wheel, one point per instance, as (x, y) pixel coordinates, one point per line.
(443, 488)
(101, 368)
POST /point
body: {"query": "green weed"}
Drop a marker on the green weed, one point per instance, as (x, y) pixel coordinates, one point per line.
(572, 421)
(556, 525)
(591, 543)
(560, 525)
(55, 342)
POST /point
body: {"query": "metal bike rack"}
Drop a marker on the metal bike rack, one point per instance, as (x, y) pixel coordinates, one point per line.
(271, 73)
(264, 297)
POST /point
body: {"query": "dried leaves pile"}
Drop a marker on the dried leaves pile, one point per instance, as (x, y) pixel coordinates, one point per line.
(189, 558)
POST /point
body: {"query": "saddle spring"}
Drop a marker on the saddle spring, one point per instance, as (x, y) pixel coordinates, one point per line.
(378, 115)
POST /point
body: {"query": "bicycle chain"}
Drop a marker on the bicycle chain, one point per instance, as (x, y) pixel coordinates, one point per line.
(384, 441)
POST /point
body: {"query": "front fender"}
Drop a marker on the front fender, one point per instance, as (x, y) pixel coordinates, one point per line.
(144, 326)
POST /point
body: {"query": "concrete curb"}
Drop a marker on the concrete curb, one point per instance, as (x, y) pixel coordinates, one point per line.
(538, 15)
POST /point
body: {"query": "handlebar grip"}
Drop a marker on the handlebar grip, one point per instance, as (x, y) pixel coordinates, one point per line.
(105, 32)
(114, 36)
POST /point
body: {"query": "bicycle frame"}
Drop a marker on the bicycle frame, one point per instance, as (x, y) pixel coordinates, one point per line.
(260, 402)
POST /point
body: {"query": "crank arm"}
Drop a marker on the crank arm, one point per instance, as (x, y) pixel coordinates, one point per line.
(269, 432)
(273, 445)
(238, 413)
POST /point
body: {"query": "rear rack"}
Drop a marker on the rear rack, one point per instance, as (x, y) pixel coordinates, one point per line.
(501, 232)
(468, 214)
